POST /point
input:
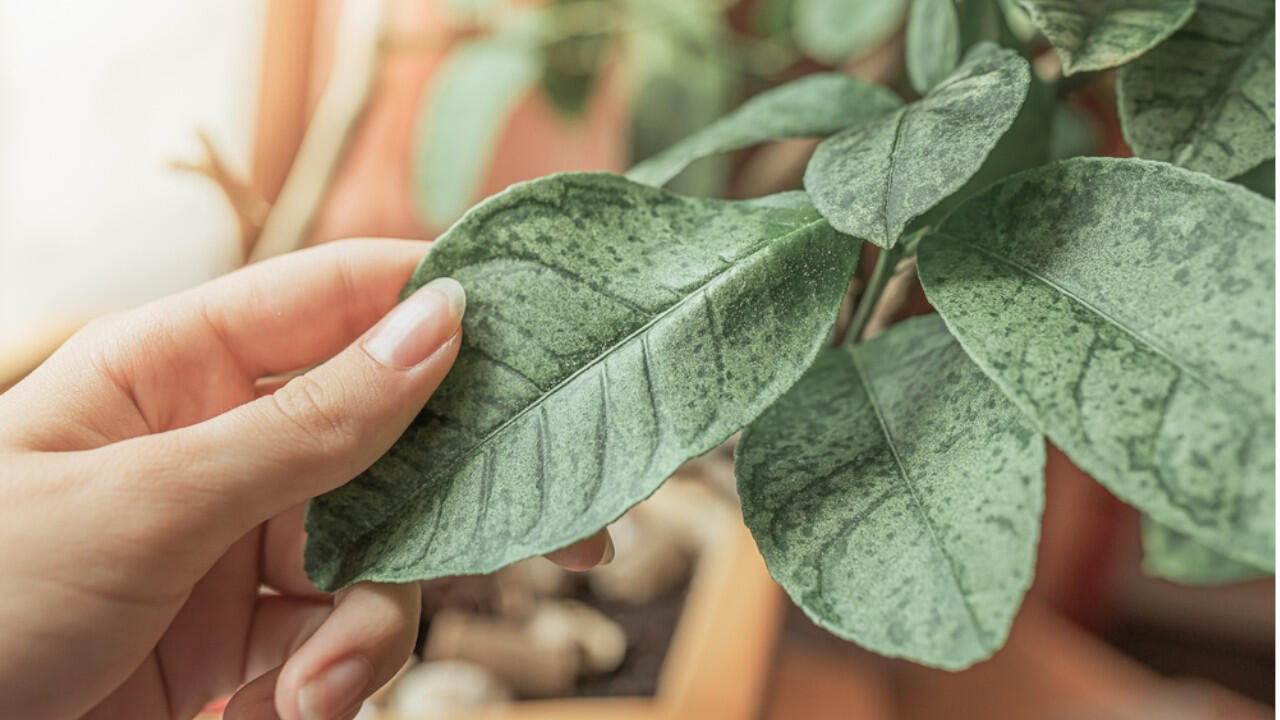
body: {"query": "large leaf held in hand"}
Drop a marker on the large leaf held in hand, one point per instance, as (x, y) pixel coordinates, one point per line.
(1128, 307)
(461, 117)
(812, 106)
(896, 494)
(1205, 98)
(933, 42)
(834, 30)
(1175, 556)
(613, 331)
(1098, 34)
(871, 180)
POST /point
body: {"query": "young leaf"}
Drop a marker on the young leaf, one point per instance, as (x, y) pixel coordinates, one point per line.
(463, 110)
(613, 331)
(871, 180)
(1174, 556)
(1099, 34)
(812, 106)
(896, 495)
(1205, 98)
(1128, 307)
(933, 42)
(831, 31)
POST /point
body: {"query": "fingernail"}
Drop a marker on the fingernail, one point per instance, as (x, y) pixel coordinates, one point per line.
(417, 327)
(607, 556)
(335, 689)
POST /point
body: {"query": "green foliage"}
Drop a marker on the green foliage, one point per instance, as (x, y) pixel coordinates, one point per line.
(896, 495)
(1094, 292)
(1205, 99)
(1174, 556)
(613, 331)
(463, 111)
(1125, 309)
(813, 106)
(1099, 34)
(873, 179)
(933, 42)
(834, 30)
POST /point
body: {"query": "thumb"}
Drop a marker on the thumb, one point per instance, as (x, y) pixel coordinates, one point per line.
(321, 428)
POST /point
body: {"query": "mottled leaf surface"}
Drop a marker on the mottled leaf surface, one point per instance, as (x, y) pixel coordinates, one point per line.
(873, 179)
(896, 495)
(1174, 556)
(1128, 307)
(1205, 98)
(812, 106)
(613, 331)
(933, 42)
(1099, 34)
(463, 110)
(834, 30)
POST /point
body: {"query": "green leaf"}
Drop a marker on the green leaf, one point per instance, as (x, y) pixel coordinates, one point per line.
(1099, 34)
(1261, 179)
(933, 42)
(895, 494)
(681, 87)
(871, 180)
(771, 17)
(572, 62)
(985, 21)
(1205, 98)
(1074, 133)
(462, 114)
(1174, 556)
(812, 106)
(1128, 307)
(831, 31)
(613, 331)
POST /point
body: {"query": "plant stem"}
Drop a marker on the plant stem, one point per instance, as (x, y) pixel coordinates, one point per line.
(886, 261)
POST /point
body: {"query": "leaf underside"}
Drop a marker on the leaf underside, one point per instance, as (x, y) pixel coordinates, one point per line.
(1174, 556)
(613, 331)
(895, 493)
(812, 106)
(1128, 307)
(1205, 98)
(873, 179)
(1099, 34)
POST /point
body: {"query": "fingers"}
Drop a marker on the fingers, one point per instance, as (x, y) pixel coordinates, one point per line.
(316, 432)
(298, 309)
(584, 554)
(256, 700)
(274, 317)
(361, 645)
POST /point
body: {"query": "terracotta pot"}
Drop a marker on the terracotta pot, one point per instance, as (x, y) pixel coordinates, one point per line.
(371, 193)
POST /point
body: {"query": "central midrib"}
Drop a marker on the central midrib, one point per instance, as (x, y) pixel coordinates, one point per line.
(979, 631)
(413, 494)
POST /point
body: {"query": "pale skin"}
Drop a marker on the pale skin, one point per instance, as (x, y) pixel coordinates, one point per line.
(153, 477)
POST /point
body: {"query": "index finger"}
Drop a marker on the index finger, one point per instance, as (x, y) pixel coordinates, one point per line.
(299, 309)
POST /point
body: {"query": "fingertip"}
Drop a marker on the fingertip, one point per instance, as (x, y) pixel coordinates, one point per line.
(585, 554)
(361, 646)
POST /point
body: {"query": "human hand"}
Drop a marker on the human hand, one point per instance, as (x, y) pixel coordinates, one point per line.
(154, 482)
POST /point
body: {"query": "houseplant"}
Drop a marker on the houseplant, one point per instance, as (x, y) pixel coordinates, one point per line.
(1122, 308)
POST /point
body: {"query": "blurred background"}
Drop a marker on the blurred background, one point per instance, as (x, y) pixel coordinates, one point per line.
(148, 146)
